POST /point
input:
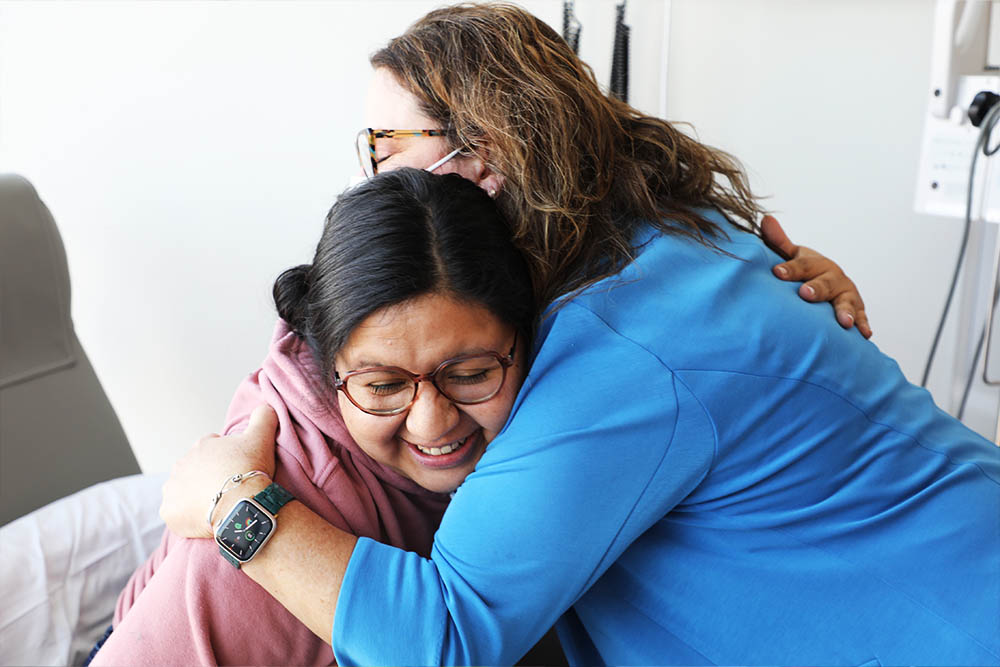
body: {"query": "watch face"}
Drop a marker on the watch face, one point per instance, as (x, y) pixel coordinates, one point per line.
(245, 530)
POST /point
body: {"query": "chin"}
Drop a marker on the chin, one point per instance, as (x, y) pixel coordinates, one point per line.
(442, 487)
(444, 484)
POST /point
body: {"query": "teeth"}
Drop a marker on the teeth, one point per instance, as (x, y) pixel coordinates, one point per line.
(441, 451)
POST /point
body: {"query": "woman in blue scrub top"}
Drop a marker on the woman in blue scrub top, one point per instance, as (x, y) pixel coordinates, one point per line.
(701, 468)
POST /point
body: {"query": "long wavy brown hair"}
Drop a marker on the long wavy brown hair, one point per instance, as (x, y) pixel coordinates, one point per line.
(582, 169)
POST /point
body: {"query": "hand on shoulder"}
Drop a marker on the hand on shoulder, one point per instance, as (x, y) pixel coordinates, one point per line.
(822, 278)
(197, 476)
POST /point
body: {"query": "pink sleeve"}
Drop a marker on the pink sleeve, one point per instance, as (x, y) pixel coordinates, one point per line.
(187, 605)
(248, 396)
(141, 577)
(199, 609)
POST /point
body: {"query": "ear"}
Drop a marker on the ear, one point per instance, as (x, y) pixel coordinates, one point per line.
(485, 176)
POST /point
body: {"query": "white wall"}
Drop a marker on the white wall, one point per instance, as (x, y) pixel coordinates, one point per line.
(189, 152)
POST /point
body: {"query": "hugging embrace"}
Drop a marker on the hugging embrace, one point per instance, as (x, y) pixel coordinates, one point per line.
(561, 387)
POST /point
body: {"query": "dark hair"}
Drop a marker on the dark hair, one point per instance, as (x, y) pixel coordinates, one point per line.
(400, 235)
(582, 170)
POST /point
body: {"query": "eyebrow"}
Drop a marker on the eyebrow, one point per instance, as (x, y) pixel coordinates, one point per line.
(365, 363)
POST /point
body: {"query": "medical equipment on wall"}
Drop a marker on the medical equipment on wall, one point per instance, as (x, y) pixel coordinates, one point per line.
(619, 56)
(571, 26)
(958, 179)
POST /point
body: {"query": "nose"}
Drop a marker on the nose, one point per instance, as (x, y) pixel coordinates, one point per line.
(432, 415)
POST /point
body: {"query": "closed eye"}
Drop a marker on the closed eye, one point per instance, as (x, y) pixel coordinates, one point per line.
(386, 388)
(474, 378)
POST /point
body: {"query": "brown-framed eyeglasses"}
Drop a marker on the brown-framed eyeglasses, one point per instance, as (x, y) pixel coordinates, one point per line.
(390, 390)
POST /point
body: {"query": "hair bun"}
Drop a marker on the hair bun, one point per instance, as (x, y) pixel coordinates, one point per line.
(289, 294)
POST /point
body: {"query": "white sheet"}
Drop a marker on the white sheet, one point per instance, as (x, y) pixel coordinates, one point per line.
(63, 565)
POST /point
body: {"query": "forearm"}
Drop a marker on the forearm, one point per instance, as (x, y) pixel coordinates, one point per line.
(303, 564)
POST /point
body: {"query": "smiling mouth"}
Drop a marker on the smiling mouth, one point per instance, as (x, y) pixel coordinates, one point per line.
(446, 449)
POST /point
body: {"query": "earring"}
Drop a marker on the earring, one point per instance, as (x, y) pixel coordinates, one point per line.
(493, 193)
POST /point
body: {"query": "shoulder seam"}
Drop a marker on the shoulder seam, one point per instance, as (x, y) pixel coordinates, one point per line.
(673, 372)
(846, 400)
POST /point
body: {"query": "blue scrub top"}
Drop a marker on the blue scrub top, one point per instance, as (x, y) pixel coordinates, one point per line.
(702, 468)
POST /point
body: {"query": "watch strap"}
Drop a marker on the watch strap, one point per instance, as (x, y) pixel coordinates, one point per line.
(273, 498)
(228, 556)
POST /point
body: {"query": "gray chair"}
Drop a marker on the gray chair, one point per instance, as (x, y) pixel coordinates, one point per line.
(58, 431)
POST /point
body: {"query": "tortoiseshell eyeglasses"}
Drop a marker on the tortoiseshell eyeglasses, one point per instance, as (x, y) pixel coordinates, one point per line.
(365, 145)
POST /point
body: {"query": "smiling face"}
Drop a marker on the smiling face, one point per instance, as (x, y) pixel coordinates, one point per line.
(391, 107)
(417, 335)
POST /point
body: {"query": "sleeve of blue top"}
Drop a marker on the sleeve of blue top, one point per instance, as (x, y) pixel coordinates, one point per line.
(602, 442)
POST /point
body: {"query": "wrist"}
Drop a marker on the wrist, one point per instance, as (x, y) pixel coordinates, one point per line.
(251, 522)
(247, 488)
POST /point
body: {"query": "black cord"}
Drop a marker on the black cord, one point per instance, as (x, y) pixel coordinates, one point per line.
(975, 362)
(571, 26)
(981, 143)
(619, 56)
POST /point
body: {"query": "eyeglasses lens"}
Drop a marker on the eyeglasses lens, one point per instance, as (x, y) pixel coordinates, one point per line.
(471, 380)
(365, 154)
(466, 381)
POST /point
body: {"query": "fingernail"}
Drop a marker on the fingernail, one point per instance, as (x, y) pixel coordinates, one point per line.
(781, 271)
(845, 318)
(809, 291)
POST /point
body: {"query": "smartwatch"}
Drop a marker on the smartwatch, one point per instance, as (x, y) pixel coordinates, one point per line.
(250, 524)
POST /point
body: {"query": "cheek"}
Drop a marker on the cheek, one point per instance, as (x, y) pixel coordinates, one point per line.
(373, 434)
(419, 154)
(413, 158)
(495, 413)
